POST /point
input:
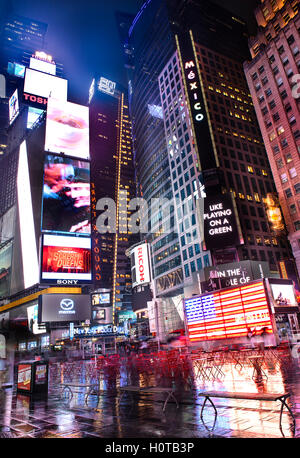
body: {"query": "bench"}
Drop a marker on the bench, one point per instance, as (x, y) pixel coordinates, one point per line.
(137, 389)
(249, 396)
(71, 387)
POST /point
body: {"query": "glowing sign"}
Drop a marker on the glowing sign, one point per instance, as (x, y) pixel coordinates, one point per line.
(42, 66)
(196, 101)
(220, 222)
(228, 313)
(67, 128)
(45, 85)
(13, 105)
(140, 265)
(107, 86)
(32, 116)
(66, 258)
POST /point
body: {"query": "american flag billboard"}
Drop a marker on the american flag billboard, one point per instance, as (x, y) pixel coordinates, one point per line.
(228, 313)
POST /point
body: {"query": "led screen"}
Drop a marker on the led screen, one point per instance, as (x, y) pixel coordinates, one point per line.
(228, 313)
(66, 258)
(5, 268)
(32, 116)
(101, 298)
(32, 316)
(45, 85)
(43, 66)
(16, 69)
(283, 294)
(140, 269)
(64, 307)
(67, 128)
(66, 195)
(13, 106)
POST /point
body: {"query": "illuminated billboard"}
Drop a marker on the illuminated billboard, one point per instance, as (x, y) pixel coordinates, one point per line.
(67, 129)
(283, 293)
(32, 316)
(66, 260)
(16, 69)
(107, 86)
(140, 267)
(228, 313)
(13, 106)
(33, 115)
(221, 226)
(42, 66)
(101, 298)
(44, 85)
(66, 195)
(64, 307)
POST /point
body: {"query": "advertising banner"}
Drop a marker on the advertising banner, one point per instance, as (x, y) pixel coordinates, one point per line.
(64, 307)
(66, 195)
(13, 107)
(24, 377)
(228, 313)
(283, 293)
(44, 85)
(101, 298)
(220, 222)
(66, 260)
(102, 315)
(67, 129)
(140, 267)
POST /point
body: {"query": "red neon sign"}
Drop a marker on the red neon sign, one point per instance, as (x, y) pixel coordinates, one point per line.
(228, 313)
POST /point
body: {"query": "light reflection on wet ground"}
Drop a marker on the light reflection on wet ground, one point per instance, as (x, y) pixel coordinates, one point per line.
(22, 416)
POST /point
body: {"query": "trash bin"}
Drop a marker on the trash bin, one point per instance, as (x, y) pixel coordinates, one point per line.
(32, 377)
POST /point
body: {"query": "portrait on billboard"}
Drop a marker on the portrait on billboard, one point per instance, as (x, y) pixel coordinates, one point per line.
(66, 258)
(101, 298)
(66, 195)
(67, 129)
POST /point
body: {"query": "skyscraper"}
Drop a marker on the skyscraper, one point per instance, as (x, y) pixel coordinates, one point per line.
(271, 74)
(112, 179)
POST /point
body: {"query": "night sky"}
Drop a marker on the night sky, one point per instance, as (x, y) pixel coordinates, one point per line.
(83, 35)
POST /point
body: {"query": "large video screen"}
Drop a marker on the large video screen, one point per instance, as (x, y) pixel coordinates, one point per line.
(66, 258)
(45, 85)
(228, 313)
(66, 195)
(43, 66)
(64, 307)
(283, 293)
(67, 129)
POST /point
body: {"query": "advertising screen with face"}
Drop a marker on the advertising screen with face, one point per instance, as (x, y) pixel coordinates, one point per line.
(66, 258)
(67, 128)
(101, 298)
(66, 195)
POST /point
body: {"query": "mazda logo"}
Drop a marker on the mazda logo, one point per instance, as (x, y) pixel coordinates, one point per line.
(67, 304)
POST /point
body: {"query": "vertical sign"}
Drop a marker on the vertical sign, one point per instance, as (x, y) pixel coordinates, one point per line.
(196, 102)
(71, 331)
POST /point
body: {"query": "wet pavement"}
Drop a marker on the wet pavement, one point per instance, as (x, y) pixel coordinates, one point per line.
(58, 416)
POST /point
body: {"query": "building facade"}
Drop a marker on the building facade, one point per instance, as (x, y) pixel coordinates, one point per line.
(113, 179)
(175, 162)
(272, 76)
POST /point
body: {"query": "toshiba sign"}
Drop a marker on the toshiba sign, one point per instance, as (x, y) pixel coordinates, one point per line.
(140, 265)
